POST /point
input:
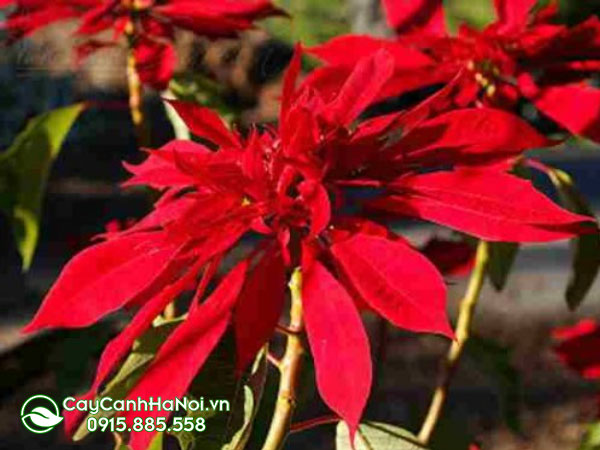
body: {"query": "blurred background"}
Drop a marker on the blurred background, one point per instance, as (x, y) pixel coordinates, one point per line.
(517, 397)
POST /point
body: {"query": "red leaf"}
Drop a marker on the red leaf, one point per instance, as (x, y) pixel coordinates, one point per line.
(573, 106)
(184, 352)
(289, 82)
(155, 62)
(407, 15)
(490, 205)
(513, 15)
(578, 348)
(345, 50)
(260, 305)
(338, 343)
(316, 199)
(397, 281)
(469, 136)
(361, 88)
(204, 123)
(453, 258)
(160, 169)
(118, 347)
(102, 279)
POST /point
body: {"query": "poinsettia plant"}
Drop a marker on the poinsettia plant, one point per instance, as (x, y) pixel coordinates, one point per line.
(521, 56)
(148, 27)
(289, 229)
(315, 192)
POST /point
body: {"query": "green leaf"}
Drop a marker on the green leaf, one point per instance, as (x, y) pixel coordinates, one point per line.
(376, 436)
(502, 258)
(248, 403)
(313, 21)
(157, 442)
(586, 248)
(495, 360)
(24, 171)
(216, 381)
(591, 440)
(132, 369)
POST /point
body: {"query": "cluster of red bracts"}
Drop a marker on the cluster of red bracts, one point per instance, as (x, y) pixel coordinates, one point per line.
(292, 186)
(149, 25)
(522, 56)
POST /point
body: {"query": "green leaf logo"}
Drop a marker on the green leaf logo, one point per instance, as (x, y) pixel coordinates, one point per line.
(40, 414)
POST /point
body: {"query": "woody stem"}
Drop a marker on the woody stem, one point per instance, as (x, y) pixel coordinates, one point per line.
(136, 92)
(289, 368)
(463, 330)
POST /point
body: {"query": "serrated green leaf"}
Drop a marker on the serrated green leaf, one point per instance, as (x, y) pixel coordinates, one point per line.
(26, 165)
(495, 360)
(376, 436)
(502, 258)
(586, 248)
(591, 440)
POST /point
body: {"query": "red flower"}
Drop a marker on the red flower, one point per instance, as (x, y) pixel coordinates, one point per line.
(522, 55)
(30, 15)
(577, 347)
(301, 188)
(149, 25)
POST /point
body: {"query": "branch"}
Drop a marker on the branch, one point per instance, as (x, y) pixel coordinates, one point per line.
(463, 329)
(289, 367)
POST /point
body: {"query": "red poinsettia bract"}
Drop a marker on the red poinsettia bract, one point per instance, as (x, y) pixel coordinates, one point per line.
(577, 347)
(522, 55)
(149, 24)
(306, 190)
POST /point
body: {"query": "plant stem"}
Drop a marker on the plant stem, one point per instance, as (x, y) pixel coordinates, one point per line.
(136, 89)
(463, 329)
(289, 370)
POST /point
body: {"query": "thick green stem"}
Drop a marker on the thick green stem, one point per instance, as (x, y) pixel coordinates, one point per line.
(289, 368)
(463, 330)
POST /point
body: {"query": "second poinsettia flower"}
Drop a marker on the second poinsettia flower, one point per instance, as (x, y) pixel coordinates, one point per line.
(149, 25)
(524, 55)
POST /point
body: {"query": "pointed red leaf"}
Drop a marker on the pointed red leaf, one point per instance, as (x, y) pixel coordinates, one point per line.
(101, 279)
(397, 281)
(361, 88)
(118, 347)
(469, 136)
(155, 62)
(260, 305)
(345, 50)
(573, 106)
(338, 343)
(204, 123)
(578, 347)
(513, 15)
(184, 352)
(289, 82)
(483, 203)
(407, 15)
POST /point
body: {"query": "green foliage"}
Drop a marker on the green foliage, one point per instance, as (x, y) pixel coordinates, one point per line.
(132, 369)
(24, 171)
(376, 436)
(495, 360)
(226, 430)
(311, 21)
(502, 258)
(476, 13)
(591, 440)
(586, 247)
